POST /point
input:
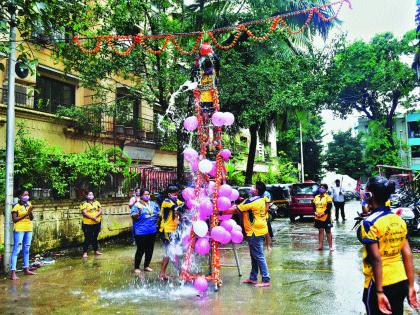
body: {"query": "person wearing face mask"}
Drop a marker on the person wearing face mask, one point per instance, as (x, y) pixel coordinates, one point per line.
(168, 223)
(92, 215)
(22, 217)
(322, 204)
(387, 259)
(135, 198)
(145, 214)
(253, 212)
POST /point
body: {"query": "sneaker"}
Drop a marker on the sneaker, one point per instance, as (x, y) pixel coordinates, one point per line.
(249, 281)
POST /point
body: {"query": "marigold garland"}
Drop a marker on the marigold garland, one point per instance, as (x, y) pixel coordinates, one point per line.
(239, 29)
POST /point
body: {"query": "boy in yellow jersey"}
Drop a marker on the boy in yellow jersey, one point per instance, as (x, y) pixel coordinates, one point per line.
(92, 215)
(322, 204)
(253, 212)
(169, 219)
(22, 234)
(387, 259)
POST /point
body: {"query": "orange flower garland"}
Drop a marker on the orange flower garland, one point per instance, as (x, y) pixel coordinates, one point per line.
(244, 27)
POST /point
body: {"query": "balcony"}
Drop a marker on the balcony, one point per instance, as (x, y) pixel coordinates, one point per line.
(88, 121)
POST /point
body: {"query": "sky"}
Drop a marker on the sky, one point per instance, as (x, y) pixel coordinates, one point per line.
(363, 21)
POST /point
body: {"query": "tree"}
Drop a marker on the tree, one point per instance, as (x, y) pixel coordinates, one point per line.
(344, 154)
(378, 150)
(371, 79)
(288, 140)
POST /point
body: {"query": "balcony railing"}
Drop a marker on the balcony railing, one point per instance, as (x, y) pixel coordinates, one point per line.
(140, 129)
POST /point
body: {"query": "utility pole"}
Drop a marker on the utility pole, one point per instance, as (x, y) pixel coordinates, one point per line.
(10, 137)
(302, 168)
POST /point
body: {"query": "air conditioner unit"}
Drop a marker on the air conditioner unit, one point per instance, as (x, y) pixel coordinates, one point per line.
(23, 74)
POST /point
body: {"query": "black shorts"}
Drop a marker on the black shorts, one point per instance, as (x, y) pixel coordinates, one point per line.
(327, 225)
(396, 294)
(207, 107)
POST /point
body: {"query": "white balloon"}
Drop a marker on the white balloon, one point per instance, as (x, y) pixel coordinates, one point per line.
(205, 166)
(200, 228)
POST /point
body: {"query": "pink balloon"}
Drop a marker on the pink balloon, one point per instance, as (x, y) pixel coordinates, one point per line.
(225, 154)
(217, 233)
(237, 236)
(191, 203)
(201, 284)
(225, 217)
(237, 228)
(191, 123)
(206, 207)
(194, 165)
(202, 246)
(225, 191)
(234, 195)
(190, 154)
(223, 203)
(218, 119)
(228, 224)
(188, 193)
(213, 169)
(226, 238)
(229, 119)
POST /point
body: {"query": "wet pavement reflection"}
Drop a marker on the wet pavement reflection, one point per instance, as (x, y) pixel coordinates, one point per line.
(304, 281)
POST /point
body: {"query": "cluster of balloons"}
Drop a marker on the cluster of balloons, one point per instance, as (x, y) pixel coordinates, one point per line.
(205, 166)
(218, 119)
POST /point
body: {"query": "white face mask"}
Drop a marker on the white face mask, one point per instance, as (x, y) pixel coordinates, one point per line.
(90, 197)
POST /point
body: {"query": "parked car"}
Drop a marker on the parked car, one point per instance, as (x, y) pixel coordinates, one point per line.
(302, 195)
(280, 196)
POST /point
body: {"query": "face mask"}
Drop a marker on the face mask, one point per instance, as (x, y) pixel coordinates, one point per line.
(174, 198)
(252, 191)
(24, 198)
(322, 190)
(145, 197)
(90, 197)
(138, 194)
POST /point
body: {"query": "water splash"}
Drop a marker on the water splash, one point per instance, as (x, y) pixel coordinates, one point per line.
(170, 111)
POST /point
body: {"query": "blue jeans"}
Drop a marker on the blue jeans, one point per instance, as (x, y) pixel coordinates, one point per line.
(256, 249)
(20, 239)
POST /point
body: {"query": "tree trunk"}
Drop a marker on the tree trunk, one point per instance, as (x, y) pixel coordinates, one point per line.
(251, 154)
(180, 170)
(390, 117)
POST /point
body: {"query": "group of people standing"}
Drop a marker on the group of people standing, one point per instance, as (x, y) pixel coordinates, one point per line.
(387, 259)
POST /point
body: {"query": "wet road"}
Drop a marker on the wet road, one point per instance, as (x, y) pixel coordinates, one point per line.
(304, 281)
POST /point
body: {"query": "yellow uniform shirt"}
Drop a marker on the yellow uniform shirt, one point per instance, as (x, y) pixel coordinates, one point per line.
(92, 209)
(390, 232)
(254, 216)
(321, 205)
(169, 222)
(24, 225)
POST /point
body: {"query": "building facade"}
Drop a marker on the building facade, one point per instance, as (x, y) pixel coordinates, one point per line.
(40, 93)
(407, 129)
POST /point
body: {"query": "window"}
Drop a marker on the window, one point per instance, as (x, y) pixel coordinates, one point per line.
(413, 129)
(52, 93)
(415, 151)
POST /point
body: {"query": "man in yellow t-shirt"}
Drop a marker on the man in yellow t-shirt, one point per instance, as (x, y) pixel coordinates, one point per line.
(169, 219)
(92, 216)
(22, 235)
(254, 218)
(322, 204)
